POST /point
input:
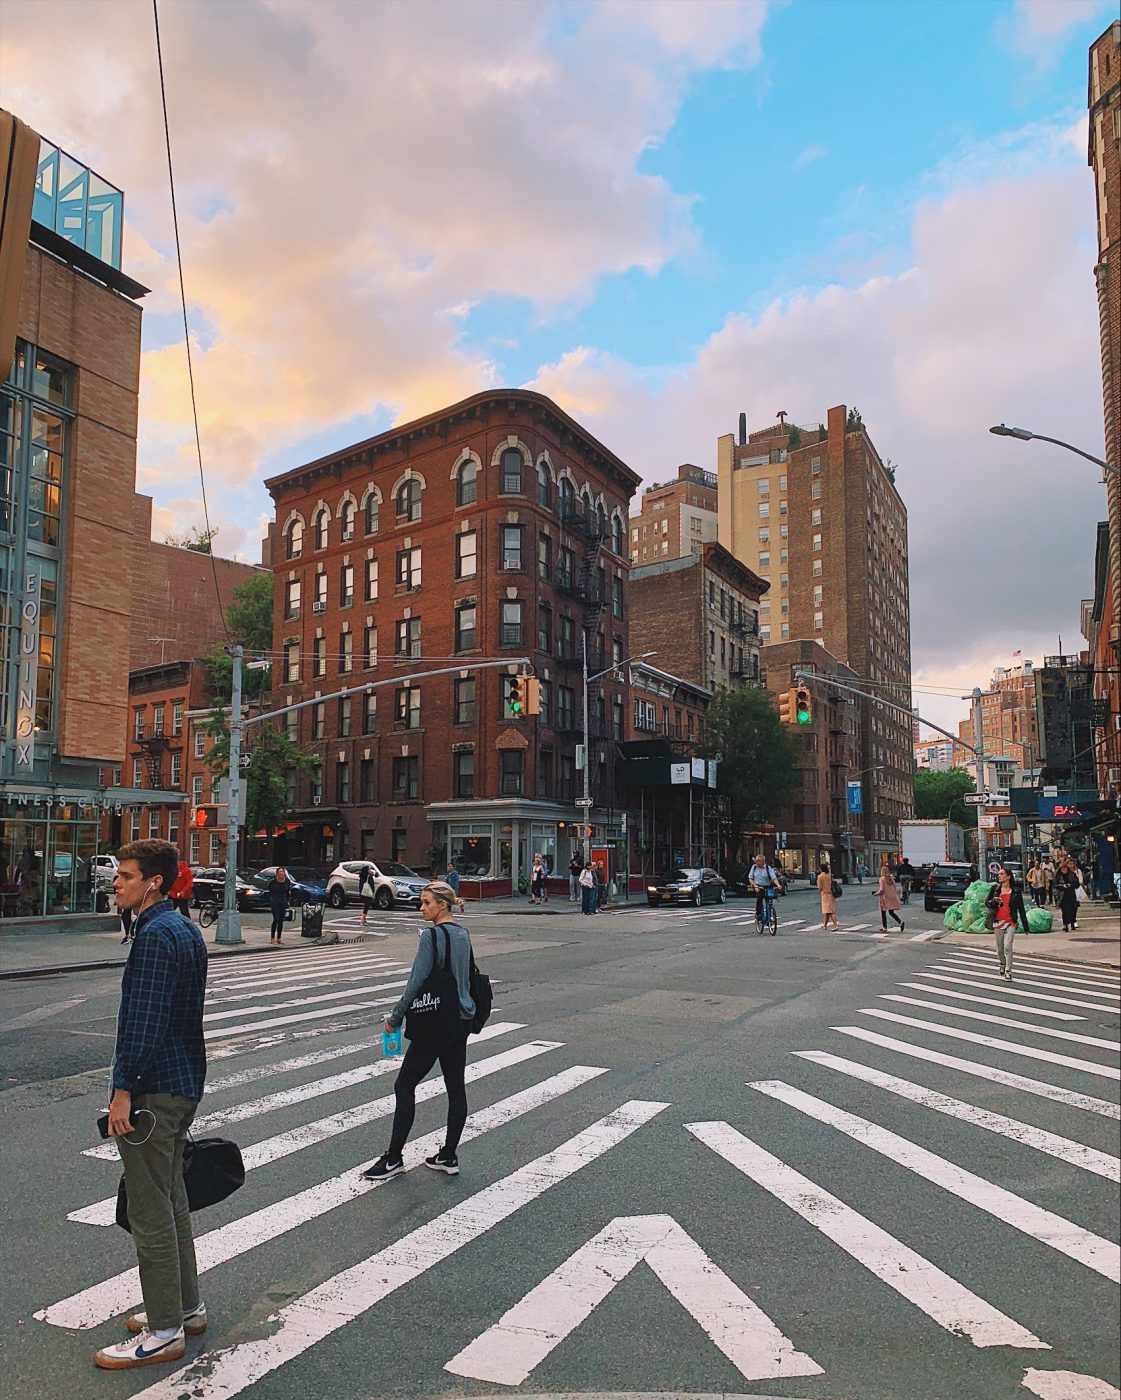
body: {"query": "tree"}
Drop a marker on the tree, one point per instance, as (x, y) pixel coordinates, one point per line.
(196, 538)
(757, 758)
(853, 421)
(272, 756)
(938, 795)
(793, 438)
(249, 622)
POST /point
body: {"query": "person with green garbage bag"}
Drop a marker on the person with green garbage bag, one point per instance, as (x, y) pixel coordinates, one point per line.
(1006, 904)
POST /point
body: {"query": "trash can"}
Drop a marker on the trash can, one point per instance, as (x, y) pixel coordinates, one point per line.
(311, 921)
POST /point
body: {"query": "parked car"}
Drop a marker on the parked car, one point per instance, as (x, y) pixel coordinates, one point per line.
(210, 888)
(922, 875)
(688, 885)
(738, 880)
(104, 871)
(308, 886)
(394, 883)
(945, 885)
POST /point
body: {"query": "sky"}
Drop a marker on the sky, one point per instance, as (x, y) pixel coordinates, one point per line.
(660, 213)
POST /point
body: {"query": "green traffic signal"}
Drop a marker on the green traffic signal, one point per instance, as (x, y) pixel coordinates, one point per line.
(802, 707)
(514, 697)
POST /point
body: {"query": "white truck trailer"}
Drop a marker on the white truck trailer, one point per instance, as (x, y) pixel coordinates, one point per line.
(932, 841)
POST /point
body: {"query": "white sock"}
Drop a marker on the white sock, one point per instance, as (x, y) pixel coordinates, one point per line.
(165, 1334)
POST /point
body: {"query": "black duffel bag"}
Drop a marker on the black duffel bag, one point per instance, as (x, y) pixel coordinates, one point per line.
(212, 1170)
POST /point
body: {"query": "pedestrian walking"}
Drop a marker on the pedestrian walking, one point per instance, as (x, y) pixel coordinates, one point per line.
(126, 923)
(861, 872)
(601, 885)
(181, 889)
(537, 882)
(1037, 883)
(159, 1068)
(451, 879)
(888, 896)
(1006, 902)
(828, 898)
(280, 897)
(587, 889)
(1065, 887)
(547, 867)
(1048, 880)
(575, 866)
(366, 891)
(905, 877)
(446, 944)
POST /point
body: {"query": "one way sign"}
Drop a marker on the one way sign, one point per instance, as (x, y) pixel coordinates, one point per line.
(976, 799)
(507, 1352)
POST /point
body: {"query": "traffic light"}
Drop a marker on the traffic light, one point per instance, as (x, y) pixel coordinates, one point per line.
(206, 816)
(515, 696)
(786, 707)
(532, 695)
(803, 705)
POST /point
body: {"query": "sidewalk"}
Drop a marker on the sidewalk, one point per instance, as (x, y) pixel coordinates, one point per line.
(1097, 938)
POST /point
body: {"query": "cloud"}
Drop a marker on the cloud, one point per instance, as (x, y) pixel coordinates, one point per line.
(808, 155)
(1040, 29)
(993, 320)
(339, 219)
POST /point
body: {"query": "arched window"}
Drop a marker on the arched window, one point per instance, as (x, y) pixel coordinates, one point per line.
(544, 485)
(408, 500)
(322, 526)
(346, 515)
(373, 502)
(601, 521)
(565, 498)
(294, 539)
(467, 483)
(512, 472)
(618, 534)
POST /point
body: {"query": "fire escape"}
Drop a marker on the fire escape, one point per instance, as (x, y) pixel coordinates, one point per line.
(154, 747)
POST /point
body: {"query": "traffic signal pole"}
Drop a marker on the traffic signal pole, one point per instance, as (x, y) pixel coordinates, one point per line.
(229, 920)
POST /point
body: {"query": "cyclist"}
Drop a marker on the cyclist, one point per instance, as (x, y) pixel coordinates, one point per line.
(763, 877)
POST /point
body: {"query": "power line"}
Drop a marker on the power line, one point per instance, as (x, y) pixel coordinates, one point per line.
(186, 328)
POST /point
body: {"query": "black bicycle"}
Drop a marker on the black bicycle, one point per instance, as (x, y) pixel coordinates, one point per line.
(208, 913)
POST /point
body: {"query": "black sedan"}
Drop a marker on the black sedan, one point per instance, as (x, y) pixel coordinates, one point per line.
(210, 888)
(688, 884)
(945, 885)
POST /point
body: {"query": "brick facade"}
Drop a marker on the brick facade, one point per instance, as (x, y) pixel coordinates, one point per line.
(675, 517)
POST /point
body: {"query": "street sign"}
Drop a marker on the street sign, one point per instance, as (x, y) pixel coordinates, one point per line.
(585, 802)
(975, 799)
(987, 821)
(855, 797)
(998, 799)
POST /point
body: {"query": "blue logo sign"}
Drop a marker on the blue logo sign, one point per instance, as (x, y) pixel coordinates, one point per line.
(856, 798)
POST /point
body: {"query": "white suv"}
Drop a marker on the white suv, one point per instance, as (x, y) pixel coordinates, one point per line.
(394, 883)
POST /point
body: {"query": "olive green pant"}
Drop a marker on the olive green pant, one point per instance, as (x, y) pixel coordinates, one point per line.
(158, 1211)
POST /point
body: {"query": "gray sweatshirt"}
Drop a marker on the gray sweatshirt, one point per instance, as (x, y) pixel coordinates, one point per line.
(422, 966)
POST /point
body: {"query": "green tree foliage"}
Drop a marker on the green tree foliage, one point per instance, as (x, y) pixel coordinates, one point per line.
(271, 756)
(196, 539)
(939, 795)
(757, 759)
(793, 438)
(249, 620)
(853, 421)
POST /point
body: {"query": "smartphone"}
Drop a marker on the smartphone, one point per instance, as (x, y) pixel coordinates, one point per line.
(103, 1123)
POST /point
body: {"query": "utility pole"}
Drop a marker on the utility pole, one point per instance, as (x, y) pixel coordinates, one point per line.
(229, 920)
(979, 746)
(586, 809)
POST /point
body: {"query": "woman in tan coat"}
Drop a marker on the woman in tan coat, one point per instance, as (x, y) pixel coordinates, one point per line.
(888, 895)
(828, 898)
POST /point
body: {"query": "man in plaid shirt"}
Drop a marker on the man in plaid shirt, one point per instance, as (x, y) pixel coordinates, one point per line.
(159, 1069)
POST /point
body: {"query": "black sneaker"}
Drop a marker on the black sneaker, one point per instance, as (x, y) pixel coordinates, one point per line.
(448, 1165)
(382, 1169)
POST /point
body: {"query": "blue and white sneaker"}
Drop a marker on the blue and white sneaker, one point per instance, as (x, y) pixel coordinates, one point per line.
(145, 1350)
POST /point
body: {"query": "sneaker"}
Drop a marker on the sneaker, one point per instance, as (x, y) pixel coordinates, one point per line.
(145, 1350)
(448, 1165)
(194, 1323)
(1007, 976)
(382, 1169)
(903, 926)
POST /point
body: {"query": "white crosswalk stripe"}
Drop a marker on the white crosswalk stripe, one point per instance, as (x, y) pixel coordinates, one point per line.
(1014, 990)
(1052, 982)
(990, 1001)
(1090, 974)
(1053, 1031)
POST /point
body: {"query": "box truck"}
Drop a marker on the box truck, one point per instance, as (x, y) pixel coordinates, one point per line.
(931, 842)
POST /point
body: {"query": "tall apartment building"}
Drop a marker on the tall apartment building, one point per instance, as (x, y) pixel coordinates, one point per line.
(934, 755)
(1104, 630)
(68, 412)
(699, 615)
(493, 529)
(676, 517)
(816, 512)
(1009, 720)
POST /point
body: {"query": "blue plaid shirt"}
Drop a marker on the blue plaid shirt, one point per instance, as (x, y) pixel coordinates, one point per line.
(160, 1047)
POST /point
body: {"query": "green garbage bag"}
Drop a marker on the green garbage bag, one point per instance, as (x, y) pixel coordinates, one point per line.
(973, 917)
(952, 918)
(978, 892)
(1039, 921)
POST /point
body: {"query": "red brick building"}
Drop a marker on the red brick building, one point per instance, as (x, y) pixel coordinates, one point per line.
(496, 528)
(675, 517)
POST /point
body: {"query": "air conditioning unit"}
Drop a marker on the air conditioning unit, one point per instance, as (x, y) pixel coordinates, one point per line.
(319, 606)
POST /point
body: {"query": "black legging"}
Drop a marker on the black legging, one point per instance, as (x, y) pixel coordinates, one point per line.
(883, 917)
(418, 1060)
(278, 912)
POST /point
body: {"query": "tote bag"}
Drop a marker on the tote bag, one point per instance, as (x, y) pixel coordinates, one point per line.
(433, 1017)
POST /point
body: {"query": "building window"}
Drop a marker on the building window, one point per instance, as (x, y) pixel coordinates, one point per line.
(408, 637)
(173, 827)
(465, 700)
(366, 778)
(342, 782)
(294, 540)
(138, 722)
(466, 627)
(764, 510)
(544, 627)
(466, 554)
(619, 534)
(344, 716)
(566, 568)
(815, 542)
(511, 769)
(566, 707)
(815, 517)
(764, 486)
(291, 599)
(195, 843)
(464, 772)
(764, 559)
(765, 535)
(815, 491)
(408, 707)
(616, 597)
(176, 769)
(512, 546)
(321, 525)
(137, 772)
(408, 568)
(370, 714)
(373, 504)
(176, 717)
(315, 783)
(544, 557)
(544, 486)
(566, 499)
(371, 581)
(406, 778)
(291, 661)
(346, 653)
(408, 500)
(196, 789)
(318, 657)
(467, 484)
(153, 823)
(784, 630)
(347, 514)
(346, 585)
(817, 568)
(566, 639)
(545, 773)
(319, 720)
(369, 646)
(818, 622)
(818, 590)
(815, 466)
(200, 743)
(764, 632)
(567, 777)
(784, 580)
(511, 625)
(617, 718)
(512, 472)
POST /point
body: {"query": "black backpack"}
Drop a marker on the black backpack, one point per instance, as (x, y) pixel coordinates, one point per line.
(482, 995)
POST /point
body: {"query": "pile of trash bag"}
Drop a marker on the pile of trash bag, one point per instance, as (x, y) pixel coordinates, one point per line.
(968, 915)
(1039, 920)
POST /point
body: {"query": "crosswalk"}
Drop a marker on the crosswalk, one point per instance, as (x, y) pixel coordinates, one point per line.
(907, 1110)
(740, 916)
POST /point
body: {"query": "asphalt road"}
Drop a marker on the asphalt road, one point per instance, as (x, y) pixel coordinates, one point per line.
(846, 1167)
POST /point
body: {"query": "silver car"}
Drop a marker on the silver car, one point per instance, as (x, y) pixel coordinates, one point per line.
(394, 883)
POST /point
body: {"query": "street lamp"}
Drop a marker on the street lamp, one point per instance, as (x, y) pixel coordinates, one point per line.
(1026, 435)
(586, 805)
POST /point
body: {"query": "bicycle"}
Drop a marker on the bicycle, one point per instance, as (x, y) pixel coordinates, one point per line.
(208, 913)
(768, 920)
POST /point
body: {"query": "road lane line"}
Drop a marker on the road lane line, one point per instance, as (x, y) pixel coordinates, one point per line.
(321, 1312)
(1100, 1255)
(1015, 989)
(317, 1000)
(1067, 1385)
(942, 1298)
(1040, 1087)
(284, 1144)
(40, 1013)
(1005, 1005)
(101, 1301)
(274, 986)
(1064, 1149)
(320, 971)
(1097, 1042)
(1050, 1057)
(247, 1027)
(507, 1352)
